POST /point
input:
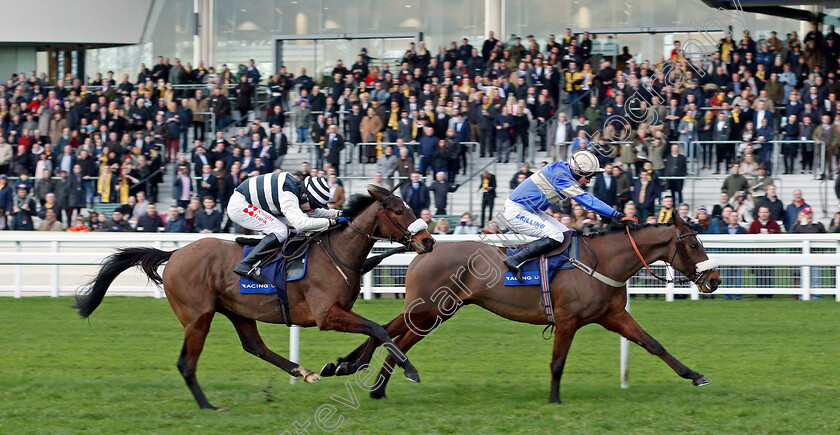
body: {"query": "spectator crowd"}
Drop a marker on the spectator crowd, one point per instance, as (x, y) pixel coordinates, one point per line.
(68, 146)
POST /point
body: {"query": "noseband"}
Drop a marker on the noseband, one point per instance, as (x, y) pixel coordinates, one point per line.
(698, 275)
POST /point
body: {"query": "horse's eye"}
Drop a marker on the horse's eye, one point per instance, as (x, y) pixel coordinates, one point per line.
(399, 212)
(693, 246)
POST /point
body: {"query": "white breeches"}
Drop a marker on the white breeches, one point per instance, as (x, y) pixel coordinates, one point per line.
(537, 224)
(254, 218)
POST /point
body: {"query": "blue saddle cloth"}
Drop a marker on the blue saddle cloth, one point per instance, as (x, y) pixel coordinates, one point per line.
(531, 269)
(278, 270)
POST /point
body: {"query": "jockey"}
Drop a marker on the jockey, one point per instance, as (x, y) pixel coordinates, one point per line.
(524, 209)
(272, 203)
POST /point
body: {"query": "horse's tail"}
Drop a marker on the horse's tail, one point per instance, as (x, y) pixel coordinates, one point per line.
(147, 258)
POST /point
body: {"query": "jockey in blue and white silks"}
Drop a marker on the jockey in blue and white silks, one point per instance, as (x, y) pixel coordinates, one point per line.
(525, 208)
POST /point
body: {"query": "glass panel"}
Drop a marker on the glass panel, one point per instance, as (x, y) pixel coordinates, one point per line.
(299, 55)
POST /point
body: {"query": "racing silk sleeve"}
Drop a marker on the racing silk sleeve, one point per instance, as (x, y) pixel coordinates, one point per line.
(324, 213)
(290, 207)
(558, 177)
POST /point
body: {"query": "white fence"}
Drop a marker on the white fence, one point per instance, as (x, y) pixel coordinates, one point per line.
(55, 264)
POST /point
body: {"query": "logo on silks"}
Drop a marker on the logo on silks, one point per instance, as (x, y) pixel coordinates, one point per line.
(256, 285)
(535, 278)
(530, 222)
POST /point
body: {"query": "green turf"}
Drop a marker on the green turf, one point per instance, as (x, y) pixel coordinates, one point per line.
(771, 362)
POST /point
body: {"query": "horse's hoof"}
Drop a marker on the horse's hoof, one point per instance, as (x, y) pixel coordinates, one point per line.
(328, 369)
(377, 394)
(699, 382)
(413, 377)
(311, 378)
(221, 408)
(343, 369)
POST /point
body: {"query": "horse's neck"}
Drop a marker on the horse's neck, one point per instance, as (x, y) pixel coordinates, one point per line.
(351, 246)
(618, 258)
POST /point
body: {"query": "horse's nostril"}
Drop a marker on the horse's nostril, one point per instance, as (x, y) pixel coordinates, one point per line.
(714, 283)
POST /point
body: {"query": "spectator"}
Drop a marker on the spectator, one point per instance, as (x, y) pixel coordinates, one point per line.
(835, 224)
(336, 190)
(606, 187)
(777, 211)
(416, 193)
(644, 193)
(117, 223)
(676, 165)
(735, 182)
(805, 223)
(175, 222)
(793, 210)
(441, 189)
(442, 227)
(208, 185)
(208, 220)
(706, 224)
(466, 225)
(50, 222)
(150, 222)
(488, 195)
(666, 213)
(426, 215)
(80, 226)
(405, 163)
(387, 164)
(732, 275)
(717, 210)
(764, 223)
(23, 209)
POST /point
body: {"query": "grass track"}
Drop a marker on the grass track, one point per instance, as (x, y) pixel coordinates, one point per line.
(773, 366)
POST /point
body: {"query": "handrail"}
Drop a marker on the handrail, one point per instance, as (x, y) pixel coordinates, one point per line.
(149, 177)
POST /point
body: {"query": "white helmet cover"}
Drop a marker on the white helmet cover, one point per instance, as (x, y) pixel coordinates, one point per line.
(585, 163)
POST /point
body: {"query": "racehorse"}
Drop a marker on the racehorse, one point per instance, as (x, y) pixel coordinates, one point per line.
(199, 281)
(438, 284)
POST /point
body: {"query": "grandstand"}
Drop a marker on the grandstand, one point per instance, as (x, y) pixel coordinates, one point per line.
(542, 77)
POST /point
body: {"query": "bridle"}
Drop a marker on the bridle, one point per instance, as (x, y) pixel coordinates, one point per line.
(700, 271)
(383, 215)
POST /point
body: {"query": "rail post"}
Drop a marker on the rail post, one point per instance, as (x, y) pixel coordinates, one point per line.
(18, 274)
(806, 272)
(158, 294)
(294, 348)
(367, 286)
(669, 286)
(624, 350)
(54, 275)
(837, 278)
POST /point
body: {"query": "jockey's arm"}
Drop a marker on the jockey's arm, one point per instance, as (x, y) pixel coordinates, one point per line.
(324, 213)
(297, 218)
(590, 202)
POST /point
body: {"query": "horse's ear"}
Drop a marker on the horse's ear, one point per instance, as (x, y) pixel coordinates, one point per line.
(677, 220)
(377, 192)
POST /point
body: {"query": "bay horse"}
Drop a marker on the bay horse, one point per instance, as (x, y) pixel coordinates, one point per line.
(463, 273)
(199, 282)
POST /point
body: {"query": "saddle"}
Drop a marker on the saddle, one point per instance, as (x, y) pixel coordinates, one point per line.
(281, 265)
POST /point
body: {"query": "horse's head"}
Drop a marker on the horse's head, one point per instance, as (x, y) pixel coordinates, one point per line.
(397, 221)
(691, 260)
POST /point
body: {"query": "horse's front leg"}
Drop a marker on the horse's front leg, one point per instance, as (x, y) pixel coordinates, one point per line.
(342, 320)
(563, 334)
(624, 324)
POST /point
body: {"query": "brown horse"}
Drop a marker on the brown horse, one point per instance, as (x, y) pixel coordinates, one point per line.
(199, 282)
(438, 284)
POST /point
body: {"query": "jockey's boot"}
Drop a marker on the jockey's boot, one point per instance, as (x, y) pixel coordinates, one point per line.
(249, 266)
(533, 250)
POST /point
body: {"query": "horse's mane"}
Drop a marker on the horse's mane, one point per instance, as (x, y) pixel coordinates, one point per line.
(613, 229)
(358, 202)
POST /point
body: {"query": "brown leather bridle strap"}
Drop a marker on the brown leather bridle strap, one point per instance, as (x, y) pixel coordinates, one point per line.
(633, 242)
